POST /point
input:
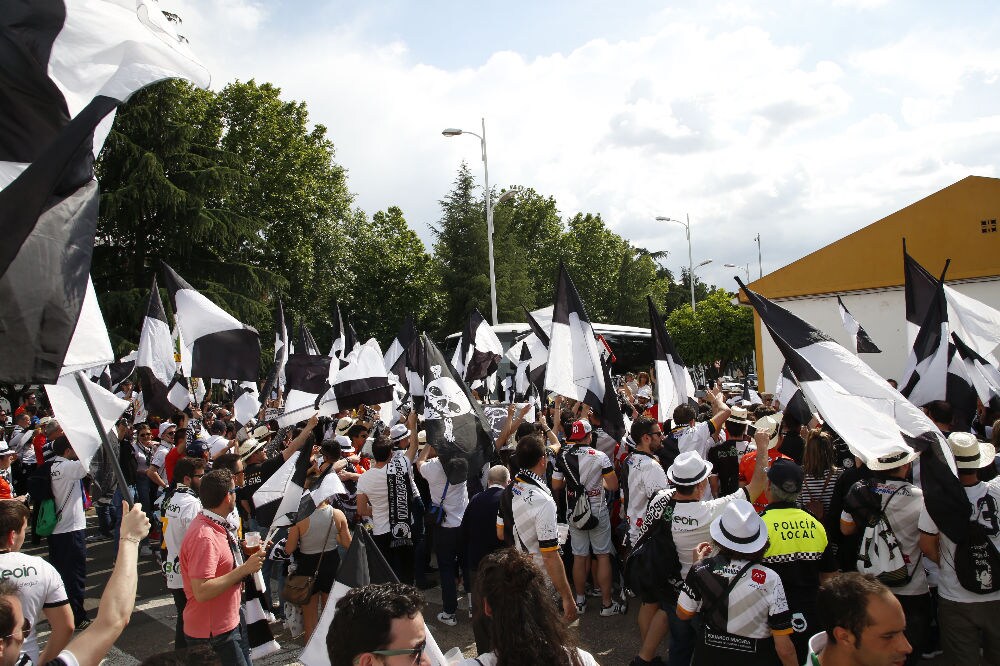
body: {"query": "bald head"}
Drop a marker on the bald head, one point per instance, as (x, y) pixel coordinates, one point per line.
(498, 476)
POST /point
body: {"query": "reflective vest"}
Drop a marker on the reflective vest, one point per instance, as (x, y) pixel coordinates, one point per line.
(794, 534)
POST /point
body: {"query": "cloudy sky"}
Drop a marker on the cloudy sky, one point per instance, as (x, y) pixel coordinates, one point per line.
(802, 120)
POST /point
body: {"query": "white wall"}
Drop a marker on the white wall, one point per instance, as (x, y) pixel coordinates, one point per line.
(881, 313)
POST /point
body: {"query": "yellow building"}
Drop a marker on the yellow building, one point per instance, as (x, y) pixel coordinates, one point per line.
(865, 268)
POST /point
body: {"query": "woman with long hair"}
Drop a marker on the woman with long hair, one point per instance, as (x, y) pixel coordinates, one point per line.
(821, 473)
(518, 612)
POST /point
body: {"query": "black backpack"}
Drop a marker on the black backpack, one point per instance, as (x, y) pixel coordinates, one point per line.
(653, 568)
(669, 451)
(40, 483)
(977, 562)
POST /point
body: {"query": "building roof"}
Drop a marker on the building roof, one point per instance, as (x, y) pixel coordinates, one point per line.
(959, 223)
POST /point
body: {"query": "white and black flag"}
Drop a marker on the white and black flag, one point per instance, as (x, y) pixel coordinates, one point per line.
(919, 289)
(454, 421)
(216, 344)
(575, 368)
(276, 375)
(673, 381)
(537, 343)
(925, 378)
(873, 418)
(344, 338)
(306, 343)
(790, 398)
(479, 350)
(58, 88)
(164, 390)
(362, 565)
(862, 341)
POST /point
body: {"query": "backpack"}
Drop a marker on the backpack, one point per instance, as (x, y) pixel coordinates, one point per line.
(581, 516)
(40, 483)
(880, 553)
(977, 562)
(653, 568)
(814, 505)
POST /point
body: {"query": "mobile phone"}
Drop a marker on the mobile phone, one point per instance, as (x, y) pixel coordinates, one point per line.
(751, 431)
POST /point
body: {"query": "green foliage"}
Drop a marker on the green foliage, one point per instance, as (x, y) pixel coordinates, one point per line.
(718, 330)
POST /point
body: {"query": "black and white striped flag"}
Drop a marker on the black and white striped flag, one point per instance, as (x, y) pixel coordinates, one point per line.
(363, 564)
(163, 388)
(790, 398)
(673, 381)
(345, 340)
(479, 351)
(216, 344)
(863, 343)
(925, 378)
(306, 343)
(65, 66)
(276, 375)
(873, 418)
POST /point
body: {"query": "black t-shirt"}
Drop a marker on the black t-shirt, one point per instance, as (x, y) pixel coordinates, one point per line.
(127, 461)
(254, 477)
(793, 447)
(725, 459)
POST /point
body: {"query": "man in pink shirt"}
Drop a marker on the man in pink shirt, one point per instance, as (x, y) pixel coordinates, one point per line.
(213, 570)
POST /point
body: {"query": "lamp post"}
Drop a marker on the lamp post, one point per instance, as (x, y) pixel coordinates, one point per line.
(451, 131)
(687, 232)
(745, 268)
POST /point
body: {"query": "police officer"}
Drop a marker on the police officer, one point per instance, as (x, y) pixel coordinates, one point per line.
(798, 550)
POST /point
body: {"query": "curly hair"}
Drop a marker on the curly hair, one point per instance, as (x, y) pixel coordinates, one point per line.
(524, 625)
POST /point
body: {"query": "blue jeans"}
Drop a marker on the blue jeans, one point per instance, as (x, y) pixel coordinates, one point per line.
(683, 636)
(233, 647)
(446, 547)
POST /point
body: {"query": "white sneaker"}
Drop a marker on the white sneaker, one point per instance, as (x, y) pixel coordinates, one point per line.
(447, 618)
(581, 607)
(614, 609)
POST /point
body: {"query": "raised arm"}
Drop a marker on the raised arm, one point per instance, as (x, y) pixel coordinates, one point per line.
(759, 480)
(303, 437)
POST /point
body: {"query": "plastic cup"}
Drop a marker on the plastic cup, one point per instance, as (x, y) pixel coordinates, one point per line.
(563, 533)
(251, 541)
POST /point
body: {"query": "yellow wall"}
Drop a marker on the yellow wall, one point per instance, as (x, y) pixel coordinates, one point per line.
(945, 225)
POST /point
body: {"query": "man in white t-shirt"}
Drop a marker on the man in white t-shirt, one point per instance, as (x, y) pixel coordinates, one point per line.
(390, 511)
(67, 543)
(967, 619)
(902, 502)
(699, 436)
(453, 499)
(180, 508)
(643, 477)
(691, 519)
(39, 586)
(218, 445)
(582, 468)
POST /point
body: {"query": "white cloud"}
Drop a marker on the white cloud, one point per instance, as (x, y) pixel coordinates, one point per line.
(745, 129)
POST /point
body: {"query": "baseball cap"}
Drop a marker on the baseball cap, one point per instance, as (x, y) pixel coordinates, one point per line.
(786, 474)
(580, 430)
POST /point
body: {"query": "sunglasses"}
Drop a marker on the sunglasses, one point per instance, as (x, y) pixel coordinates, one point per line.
(415, 652)
(25, 630)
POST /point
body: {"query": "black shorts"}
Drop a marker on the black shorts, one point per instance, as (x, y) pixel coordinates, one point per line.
(306, 566)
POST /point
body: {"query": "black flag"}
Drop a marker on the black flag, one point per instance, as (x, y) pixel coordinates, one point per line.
(163, 388)
(925, 379)
(454, 421)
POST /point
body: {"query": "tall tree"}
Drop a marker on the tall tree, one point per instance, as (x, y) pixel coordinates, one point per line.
(461, 253)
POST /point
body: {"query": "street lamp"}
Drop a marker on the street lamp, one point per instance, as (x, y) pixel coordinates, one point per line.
(745, 268)
(687, 230)
(451, 131)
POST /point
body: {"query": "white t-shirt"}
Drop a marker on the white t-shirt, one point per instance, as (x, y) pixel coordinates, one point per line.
(182, 508)
(903, 512)
(593, 466)
(691, 520)
(490, 659)
(159, 459)
(39, 586)
(534, 510)
(457, 499)
(374, 484)
(645, 478)
(216, 444)
(66, 475)
(985, 499)
(696, 438)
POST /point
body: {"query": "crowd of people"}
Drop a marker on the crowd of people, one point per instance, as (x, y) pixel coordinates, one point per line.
(732, 556)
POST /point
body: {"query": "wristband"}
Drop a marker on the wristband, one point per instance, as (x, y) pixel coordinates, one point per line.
(132, 539)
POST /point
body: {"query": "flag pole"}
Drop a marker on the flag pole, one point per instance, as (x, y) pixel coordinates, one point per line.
(109, 451)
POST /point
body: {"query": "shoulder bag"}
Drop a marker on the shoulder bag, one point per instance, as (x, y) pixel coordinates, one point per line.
(299, 587)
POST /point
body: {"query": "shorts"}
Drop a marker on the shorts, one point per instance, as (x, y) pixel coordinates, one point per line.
(597, 540)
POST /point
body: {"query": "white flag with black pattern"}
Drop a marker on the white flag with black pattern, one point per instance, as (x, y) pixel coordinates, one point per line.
(873, 418)
(925, 377)
(216, 344)
(163, 391)
(863, 343)
(674, 386)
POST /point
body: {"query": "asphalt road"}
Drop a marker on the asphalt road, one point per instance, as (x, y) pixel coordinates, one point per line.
(612, 640)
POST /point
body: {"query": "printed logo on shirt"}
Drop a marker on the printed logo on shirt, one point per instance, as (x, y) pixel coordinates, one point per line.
(686, 520)
(758, 576)
(19, 572)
